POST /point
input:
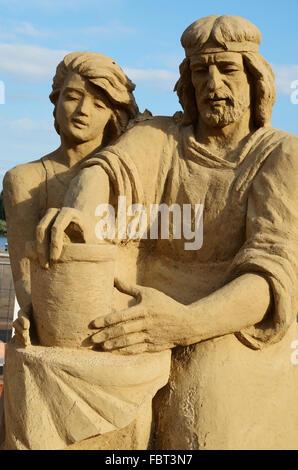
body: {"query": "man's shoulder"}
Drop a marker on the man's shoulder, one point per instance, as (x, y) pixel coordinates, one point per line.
(283, 156)
(282, 146)
(152, 124)
(284, 139)
(151, 131)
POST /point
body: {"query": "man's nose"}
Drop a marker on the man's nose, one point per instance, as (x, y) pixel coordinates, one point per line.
(214, 78)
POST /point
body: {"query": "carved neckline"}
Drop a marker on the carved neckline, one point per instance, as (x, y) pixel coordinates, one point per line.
(69, 173)
(198, 152)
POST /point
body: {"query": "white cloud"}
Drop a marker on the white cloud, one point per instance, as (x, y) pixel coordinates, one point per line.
(32, 61)
(28, 29)
(151, 74)
(40, 63)
(159, 78)
(58, 5)
(165, 79)
(11, 31)
(284, 76)
(115, 27)
(25, 125)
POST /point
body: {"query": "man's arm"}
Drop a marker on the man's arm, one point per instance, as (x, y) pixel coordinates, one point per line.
(267, 258)
(158, 322)
(86, 191)
(241, 303)
(130, 164)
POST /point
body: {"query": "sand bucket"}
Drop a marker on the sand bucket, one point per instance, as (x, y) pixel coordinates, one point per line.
(71, 293)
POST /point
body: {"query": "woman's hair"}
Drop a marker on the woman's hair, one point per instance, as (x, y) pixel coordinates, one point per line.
(229, 33)
(103, 72)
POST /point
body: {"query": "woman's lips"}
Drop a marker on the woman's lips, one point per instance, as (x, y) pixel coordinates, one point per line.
(79, 122)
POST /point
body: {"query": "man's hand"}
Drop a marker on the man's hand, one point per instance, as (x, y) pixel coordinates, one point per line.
(50, 232)
(156, 323)
(22, 326)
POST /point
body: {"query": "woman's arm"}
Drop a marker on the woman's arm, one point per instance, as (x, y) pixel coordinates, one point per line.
(21, 199)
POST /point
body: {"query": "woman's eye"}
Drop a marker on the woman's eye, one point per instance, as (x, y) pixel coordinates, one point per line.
(72, 97)
(98, 104)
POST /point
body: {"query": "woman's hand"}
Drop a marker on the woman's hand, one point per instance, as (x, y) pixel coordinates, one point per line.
(22, 326)
(156, 323)
(51, 232)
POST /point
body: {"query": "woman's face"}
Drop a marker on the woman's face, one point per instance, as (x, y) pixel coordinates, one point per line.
(82, 110)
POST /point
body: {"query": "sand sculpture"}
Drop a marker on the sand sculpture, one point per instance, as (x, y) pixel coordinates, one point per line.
(223, 306)
(94, 104)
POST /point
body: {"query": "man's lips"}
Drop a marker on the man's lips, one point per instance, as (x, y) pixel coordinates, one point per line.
(217, 100)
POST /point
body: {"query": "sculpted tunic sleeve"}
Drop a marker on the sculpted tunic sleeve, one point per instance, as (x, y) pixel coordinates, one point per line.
(271, 246)
(139, 162)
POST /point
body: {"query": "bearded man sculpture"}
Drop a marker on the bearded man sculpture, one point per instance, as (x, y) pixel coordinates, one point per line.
(227, 310)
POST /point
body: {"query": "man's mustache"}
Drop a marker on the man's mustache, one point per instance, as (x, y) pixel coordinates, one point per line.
(219, 96)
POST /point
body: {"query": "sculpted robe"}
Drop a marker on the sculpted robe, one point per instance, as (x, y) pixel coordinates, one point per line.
(242, 387)
(56, 397)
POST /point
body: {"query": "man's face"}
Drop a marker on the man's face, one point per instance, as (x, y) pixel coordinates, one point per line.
(82, 110)
(221, 86)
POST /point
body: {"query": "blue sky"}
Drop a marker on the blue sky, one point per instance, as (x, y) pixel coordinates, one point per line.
(143, 37)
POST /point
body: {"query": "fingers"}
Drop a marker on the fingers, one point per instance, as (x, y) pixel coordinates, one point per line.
(43, 236)
(22, 326)
(18, 339)
(132, 313)
(124, 341)
(66, 216)
(24, 322)
(21, 323)
(17, 326)
(128, 338)
(136, 326)
(50, 232)
(24, 315)
(22, 337)
(144, 348)
(125, 288)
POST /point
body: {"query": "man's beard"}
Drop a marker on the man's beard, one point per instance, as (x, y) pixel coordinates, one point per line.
(230, 113)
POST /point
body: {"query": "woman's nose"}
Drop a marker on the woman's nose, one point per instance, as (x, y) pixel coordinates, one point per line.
(83, 107)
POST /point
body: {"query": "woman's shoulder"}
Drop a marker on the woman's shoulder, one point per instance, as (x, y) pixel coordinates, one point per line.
(25, 177)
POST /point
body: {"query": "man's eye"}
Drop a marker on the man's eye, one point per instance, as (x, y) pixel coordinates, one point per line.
(201, 70)
(229, 70)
